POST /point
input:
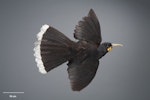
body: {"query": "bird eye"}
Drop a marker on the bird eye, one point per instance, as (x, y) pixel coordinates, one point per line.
(109, 48)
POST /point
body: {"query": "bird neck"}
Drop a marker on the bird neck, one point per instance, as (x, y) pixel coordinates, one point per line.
(101, 51)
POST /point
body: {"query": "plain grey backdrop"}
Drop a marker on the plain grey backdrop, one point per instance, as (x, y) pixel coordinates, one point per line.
(123, 74)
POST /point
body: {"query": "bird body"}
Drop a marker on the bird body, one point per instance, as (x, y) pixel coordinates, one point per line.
(53, 48)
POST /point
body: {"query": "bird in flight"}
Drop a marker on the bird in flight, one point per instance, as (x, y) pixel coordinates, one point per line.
(53, 48)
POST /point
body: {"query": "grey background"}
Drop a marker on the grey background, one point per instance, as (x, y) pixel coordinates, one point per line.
(123, 74)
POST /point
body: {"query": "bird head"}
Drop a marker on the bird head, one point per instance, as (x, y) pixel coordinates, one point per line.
(108, 46)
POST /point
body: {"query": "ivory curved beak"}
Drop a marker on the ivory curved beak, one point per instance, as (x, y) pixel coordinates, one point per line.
(115, 44)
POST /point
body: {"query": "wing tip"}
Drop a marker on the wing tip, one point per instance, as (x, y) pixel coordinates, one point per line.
(91, 12)
(77, 89)
(77, 86)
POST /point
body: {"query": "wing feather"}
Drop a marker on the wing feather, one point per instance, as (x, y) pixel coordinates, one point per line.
(82, 70)
(88, 29)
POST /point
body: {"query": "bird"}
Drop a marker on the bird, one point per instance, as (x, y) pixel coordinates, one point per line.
(53, 48)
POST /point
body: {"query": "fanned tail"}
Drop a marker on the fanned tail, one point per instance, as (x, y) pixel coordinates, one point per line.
(51, 49)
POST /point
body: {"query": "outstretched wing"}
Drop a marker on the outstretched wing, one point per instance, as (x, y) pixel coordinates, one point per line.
(82, 73)
(88, 29)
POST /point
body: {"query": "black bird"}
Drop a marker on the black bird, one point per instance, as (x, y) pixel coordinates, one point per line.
(53, 48)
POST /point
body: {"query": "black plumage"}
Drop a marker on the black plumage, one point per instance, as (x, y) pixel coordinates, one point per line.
(54, 48)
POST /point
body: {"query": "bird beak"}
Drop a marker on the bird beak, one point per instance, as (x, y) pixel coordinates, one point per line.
(114, 44)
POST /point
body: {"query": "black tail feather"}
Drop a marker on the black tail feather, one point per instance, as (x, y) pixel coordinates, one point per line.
(54, 48)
